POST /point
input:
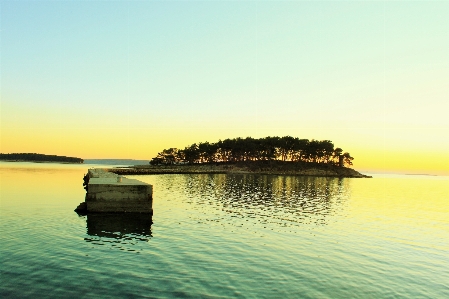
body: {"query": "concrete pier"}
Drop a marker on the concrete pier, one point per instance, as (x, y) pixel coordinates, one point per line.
(109, 192)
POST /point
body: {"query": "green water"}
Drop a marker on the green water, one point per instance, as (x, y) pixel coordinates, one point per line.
(226, 236)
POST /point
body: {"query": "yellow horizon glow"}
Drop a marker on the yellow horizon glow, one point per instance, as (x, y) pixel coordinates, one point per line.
(120, 144)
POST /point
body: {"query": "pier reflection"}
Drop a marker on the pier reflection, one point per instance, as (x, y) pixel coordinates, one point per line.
(121, 230)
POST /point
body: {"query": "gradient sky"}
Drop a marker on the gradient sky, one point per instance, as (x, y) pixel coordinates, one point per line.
(126, 79)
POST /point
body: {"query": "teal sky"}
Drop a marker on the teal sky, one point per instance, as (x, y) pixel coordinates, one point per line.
(373, 76)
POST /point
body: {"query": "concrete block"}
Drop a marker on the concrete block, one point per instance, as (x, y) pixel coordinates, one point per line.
(109, 192)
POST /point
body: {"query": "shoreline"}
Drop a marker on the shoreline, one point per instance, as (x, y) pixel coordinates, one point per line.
(283, 168)
(58, 162)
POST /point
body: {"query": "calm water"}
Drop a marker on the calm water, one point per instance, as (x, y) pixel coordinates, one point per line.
(226, 236)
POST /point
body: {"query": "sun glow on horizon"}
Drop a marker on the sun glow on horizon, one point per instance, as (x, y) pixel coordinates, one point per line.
(133, 78)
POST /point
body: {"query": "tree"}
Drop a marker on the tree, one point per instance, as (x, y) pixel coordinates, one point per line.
(347, 159)
(167, 156)
(286, 146)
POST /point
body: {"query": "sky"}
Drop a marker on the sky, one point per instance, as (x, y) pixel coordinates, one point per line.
(126, 79)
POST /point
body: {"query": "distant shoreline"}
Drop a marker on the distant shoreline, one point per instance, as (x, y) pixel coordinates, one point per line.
(54, 162)
(42, 158)
(427, 174)
(251, 167)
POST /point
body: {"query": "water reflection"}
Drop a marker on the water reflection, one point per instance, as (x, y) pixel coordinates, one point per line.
(280, 199)
(120, 230)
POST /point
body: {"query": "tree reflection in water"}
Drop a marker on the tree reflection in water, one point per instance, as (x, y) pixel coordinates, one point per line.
(276, 199)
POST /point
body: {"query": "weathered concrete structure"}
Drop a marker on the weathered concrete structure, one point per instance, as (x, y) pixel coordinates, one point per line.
(109, 192)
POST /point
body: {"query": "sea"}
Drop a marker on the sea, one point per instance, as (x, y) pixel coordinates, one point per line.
(225, 236)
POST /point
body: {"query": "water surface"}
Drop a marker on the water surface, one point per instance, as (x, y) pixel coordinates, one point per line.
(226, 236)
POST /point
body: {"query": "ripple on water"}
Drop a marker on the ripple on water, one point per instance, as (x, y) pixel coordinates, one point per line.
(286, 201)
(128, 232)
(223, 236)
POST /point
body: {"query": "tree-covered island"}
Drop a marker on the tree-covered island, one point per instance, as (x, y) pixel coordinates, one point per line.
(33, 157)
(270, 155)
(285, 148)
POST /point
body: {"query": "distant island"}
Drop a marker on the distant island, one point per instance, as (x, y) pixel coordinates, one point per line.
(33, 157)
(270, 155)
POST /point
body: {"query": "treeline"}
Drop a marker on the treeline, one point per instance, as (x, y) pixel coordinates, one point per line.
(285, 148)
(39, 158)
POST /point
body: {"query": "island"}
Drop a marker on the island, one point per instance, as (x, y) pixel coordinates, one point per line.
(33, 157)
(270, 155)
